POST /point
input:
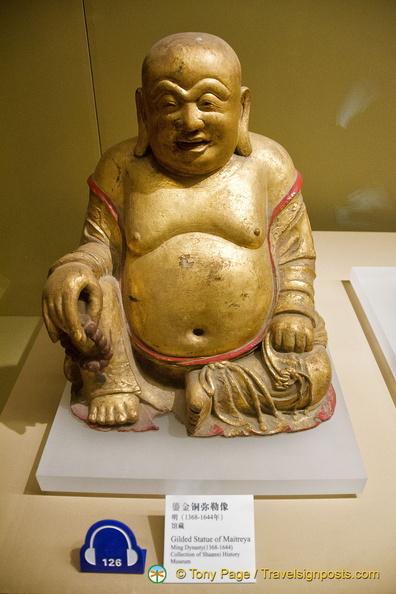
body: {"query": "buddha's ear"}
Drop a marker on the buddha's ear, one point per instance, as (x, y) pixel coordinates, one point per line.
(142, 145)
(244, 147)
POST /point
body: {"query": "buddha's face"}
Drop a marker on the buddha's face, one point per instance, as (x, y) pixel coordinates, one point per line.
(192, 105)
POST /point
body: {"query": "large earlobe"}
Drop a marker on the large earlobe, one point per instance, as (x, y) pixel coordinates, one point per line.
(142, 146)
(244, 148)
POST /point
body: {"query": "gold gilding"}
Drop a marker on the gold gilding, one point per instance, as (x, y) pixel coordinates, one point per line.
(193, 264)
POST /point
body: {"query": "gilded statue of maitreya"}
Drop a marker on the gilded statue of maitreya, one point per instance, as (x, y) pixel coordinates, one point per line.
(192, 288)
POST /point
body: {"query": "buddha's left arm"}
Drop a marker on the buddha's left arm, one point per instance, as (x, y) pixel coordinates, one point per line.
(294, 256)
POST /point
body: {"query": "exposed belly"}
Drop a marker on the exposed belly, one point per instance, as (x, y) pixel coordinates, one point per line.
(198, 295)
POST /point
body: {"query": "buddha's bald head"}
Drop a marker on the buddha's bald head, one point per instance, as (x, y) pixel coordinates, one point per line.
(192, 111)
(191, 54)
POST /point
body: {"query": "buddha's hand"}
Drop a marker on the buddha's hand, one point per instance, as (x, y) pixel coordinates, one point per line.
(292, 333)
(62, 291)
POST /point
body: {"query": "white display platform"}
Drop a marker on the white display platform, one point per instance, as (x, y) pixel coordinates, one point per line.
(376, 290)
(321, 461)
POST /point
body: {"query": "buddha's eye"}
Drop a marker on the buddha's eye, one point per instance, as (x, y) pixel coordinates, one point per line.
(209, 102)
(167, 103)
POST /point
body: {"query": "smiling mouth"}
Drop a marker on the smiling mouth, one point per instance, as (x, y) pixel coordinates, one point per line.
(192, 145)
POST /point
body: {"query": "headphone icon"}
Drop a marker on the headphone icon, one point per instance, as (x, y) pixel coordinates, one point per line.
(90, 552)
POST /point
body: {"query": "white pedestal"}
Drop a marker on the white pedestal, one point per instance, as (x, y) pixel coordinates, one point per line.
(376, 290)
(321, 461)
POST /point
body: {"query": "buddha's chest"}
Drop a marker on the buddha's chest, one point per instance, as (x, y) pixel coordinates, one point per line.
(234, 209)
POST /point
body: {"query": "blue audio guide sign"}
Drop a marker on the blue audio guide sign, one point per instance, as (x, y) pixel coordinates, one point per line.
(111, 547)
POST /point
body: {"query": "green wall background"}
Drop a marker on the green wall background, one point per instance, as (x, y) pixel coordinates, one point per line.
(322, 76)
(49, 143)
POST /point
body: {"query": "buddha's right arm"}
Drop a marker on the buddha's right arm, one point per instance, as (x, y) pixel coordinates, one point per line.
(77, 274)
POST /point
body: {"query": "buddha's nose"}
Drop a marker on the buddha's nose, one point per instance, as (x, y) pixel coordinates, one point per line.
(190, 118)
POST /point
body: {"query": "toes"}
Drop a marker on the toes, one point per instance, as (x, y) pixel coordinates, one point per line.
(101, 417)
(126, 412)
(198, 409)
(193, 416)
(196, 406)
(110, 416)
(114, 410)
(132, 414)
(131, 409)
(93, 414)
(120, 413)
(121, 418)
(199, 404)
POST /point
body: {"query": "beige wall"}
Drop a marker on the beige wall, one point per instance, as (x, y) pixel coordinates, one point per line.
(323, 85)
(49, 143)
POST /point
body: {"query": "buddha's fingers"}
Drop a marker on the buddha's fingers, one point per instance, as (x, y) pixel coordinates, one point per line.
(52, 329)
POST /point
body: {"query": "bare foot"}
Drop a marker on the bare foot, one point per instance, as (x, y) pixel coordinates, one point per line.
(114, 409)
(199, 404)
